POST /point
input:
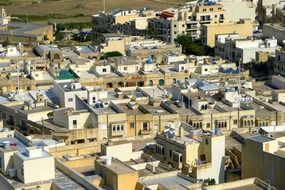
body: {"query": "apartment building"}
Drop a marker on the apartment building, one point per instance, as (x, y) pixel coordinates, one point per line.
(111, 22)
(67, 92)
(202, 159)
(186, 20)
(204, 12)
(209, 32)
(113, 44)
(150, 48)
(116, 173)
(20, 163)
(243, 49)
(230, 7)
(263, 157)
(17, 114)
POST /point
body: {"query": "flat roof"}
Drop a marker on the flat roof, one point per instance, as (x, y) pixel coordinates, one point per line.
(126, 109)
(24, 156)
(64, 182)
(15, 144)
(118, 167)
(156, 110)
(260, 138)
(19, 108)
(168, 181)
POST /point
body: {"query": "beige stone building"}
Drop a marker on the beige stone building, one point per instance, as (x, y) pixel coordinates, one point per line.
(264, 158)
(209, 31)
(116, 174)
(201, 159)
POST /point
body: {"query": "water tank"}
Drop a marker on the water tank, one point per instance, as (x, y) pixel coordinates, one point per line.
(108, 161)
(12, 172)
(6, 144)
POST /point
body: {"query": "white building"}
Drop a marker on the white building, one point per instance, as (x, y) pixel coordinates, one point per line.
(29, 164)
(67, 92)
(246, 7)
(102, 69)
(126, 65)
(240, 49)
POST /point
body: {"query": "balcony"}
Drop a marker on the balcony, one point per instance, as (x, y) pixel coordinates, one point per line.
(145, 132)
(117, 133)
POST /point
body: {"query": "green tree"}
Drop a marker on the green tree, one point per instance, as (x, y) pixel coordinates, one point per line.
(190, 46)
(111, 54)
(209, 181)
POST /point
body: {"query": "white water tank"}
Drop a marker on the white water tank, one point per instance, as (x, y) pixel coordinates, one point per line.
(6, 144)
(108, 161)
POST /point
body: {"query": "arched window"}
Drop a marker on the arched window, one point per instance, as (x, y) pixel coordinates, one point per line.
(120, 84)
(150, 83)
(109, 85)
(161, 82)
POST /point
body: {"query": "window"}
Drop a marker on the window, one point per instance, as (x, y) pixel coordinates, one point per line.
(206, 141)
(122, 127)
(211, 9)
(182, 68)
(170, 153)
(132, 125)
(174, 25)
(74, 122)
(125, 68)
(104, 70)
(114, 128)
(208, 125)
(235, 121)
(204, 10)
(70, 99)
(176, 157)
(118, 127)
(145, 126)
